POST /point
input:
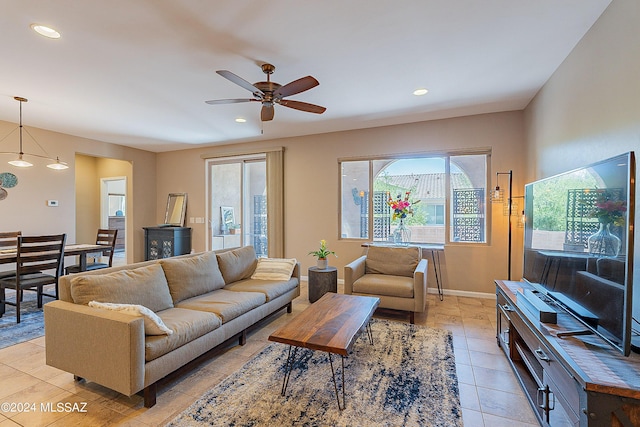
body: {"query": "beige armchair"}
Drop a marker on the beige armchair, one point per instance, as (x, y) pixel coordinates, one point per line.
(397, 275)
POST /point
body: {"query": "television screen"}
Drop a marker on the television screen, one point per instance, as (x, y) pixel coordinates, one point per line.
(578, 244)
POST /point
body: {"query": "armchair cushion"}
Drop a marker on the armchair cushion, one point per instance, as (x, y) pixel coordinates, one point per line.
(393, 261)
(382, 284)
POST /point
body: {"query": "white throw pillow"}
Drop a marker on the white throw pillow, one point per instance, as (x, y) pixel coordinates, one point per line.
(274, 269)
(153, 325)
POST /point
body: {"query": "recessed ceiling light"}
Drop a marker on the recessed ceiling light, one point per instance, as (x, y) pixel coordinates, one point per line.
(420, 92)
(45, 31)
(240, 120)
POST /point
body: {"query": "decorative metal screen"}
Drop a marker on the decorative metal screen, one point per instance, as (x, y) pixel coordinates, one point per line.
(260, 225)
(381, 216)
(580, 204)
(468, 215)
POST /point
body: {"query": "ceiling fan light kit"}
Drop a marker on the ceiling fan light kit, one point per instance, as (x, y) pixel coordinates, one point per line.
(269, 93)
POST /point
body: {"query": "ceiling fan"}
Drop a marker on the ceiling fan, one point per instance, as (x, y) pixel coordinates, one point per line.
(270, 93)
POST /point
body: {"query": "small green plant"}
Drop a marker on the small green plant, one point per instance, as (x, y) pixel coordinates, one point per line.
(323, 252)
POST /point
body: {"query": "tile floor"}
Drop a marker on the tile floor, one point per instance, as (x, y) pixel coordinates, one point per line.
(489, 392)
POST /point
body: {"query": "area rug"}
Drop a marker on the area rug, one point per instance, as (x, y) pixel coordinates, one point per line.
(407, 378)
(31, 322)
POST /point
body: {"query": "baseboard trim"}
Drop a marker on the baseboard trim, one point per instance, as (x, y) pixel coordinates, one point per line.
(458, 293)
(453, 292)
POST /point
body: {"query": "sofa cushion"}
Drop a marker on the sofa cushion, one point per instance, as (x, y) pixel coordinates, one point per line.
(153, 325)
(226, 304)
(237, 264)
(192, 276)
(396, 261)
(384, 284)
(272, 289)
(274, 269)
(145, 286)
(187, 325)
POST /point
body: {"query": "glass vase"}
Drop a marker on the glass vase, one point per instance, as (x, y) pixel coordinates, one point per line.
(603, 243)
(402, 234)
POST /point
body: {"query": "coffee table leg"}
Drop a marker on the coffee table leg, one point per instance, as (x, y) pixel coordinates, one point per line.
(335, 384)
(288, 368)
(370, 333)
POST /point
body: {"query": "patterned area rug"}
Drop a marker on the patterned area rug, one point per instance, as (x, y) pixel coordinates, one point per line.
(31, 321)
(408, 378)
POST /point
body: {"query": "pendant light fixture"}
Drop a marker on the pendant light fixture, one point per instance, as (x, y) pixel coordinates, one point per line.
(20, 161)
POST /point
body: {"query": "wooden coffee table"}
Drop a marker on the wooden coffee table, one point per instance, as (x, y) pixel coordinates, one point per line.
(331, 324)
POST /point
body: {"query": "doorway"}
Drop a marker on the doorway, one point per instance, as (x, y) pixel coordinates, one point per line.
(113, 212)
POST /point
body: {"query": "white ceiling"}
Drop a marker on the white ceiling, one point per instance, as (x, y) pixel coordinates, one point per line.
(137, 72)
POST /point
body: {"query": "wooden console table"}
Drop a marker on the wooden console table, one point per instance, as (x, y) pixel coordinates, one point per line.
(576, 380)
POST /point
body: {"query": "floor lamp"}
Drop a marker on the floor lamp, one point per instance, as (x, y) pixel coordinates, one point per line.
(497, 195)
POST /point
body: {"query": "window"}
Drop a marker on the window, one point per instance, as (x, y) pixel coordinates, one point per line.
(449, 192)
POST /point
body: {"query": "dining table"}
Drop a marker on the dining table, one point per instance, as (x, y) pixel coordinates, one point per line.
(8, 256)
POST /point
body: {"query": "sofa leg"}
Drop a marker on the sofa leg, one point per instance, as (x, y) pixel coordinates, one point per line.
(243, 338)
(150, 395)
(77, 378)
(412, 317)
(289, 307)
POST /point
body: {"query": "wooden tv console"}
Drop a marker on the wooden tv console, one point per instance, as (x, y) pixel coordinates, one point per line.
(572, 380)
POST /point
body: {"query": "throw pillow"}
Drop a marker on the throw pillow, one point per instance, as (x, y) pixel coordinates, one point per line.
(192, 276)
(237, 264)
(146, 286)
(274, 269)
(153, 325)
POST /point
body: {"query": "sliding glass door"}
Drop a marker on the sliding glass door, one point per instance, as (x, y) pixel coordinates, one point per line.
(237, 193)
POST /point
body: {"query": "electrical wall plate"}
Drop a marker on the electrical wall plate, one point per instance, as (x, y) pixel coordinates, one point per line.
(52, 203)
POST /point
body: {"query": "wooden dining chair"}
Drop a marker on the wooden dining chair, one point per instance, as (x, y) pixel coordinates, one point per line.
(38, 263)
(8, 242)
(105, 237)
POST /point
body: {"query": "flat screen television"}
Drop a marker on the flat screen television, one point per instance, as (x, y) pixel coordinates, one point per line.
(578, 244)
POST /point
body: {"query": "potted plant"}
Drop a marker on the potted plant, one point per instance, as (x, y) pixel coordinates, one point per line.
(322, 255)
(235, 228)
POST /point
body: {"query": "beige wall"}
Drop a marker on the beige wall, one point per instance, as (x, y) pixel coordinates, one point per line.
(26, 208)
(312, 188)
(590, 109)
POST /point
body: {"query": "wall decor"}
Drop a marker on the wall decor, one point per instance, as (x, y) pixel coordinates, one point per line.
(7, 180)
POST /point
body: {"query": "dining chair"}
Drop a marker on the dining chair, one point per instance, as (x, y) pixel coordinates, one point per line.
(35, 256)
(8, 242)
(105, 237)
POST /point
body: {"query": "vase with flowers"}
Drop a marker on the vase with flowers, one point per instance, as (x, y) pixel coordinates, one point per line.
(610, 212)
(322, 255)
(401, 207)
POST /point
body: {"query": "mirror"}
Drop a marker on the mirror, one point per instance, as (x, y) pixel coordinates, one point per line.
(176, 209)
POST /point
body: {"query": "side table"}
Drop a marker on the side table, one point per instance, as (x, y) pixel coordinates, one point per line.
(322, 281)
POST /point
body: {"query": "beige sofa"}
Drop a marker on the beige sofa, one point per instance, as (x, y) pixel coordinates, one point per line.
(397, 275)
(204, 299)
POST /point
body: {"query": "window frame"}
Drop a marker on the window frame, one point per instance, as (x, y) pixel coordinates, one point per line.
(446, 155)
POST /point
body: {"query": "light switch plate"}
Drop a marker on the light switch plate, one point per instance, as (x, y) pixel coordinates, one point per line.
(52, 203)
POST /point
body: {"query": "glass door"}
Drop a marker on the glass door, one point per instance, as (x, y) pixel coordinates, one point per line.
(238, 203)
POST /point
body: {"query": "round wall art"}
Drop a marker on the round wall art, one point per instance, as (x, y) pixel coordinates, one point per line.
(7, 180)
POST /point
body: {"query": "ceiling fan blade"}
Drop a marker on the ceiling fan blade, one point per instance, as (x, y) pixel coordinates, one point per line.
(229, 101)
(239, 81)
(303, 106)
(296, 86)
(266, 114)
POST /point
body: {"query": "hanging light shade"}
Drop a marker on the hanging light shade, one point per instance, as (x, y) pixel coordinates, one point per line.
(497, 195)
(20, 161)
